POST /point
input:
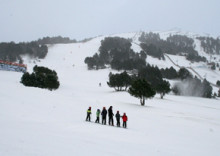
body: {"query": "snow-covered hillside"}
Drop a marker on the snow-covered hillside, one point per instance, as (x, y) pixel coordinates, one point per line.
(38, 122)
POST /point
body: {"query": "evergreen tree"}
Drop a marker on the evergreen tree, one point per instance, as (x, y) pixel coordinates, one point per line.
(141, 89)
(207, 89)
(119, 81)
(170, 73)
(184, 73)
(163, 87)
(218, 83)
(213, 67)
(151, 74)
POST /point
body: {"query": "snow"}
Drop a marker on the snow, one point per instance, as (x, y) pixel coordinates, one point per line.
(38, 122)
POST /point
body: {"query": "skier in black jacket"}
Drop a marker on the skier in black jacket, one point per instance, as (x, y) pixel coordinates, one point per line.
(110, 116)
(104, 113)
(118, 116)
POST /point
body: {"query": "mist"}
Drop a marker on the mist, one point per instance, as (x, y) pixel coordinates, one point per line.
(190, 87)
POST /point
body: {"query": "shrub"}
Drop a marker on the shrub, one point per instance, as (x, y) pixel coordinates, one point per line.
(41, 77)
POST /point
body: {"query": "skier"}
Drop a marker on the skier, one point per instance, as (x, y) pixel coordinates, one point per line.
(97, 115)
(118, 116)
(89, 112)
(104, 113)
(110, 116)
(125, 119)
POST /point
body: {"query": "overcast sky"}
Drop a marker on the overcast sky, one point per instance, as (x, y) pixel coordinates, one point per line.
(27, 20)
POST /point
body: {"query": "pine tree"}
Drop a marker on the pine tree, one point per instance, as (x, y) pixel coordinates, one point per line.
(163, 87)
(184, 73)
(207, 89)
(218, 83)
(141, 89)
(119, 81)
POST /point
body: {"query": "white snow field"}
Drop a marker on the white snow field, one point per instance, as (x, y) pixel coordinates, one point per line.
(39, 122)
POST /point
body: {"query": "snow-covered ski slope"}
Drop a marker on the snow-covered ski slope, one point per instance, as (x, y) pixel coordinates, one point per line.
(38, 122)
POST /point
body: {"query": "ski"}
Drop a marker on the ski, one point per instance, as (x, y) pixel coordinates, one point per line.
(106, 124)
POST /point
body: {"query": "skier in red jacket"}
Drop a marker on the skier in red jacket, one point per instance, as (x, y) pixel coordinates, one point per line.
(125, 119)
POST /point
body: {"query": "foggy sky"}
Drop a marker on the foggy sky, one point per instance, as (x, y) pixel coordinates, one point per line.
(27, 20)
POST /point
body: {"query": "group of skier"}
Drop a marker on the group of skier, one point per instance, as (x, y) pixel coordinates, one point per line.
(110, 116)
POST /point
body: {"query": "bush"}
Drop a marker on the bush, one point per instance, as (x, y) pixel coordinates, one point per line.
(41, 77)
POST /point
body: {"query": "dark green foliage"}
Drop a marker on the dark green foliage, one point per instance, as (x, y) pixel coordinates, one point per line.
(141, 89)
(117, 53)
(182, 44)
(207, 89)
(218, 83)
(210, 45)
(151, 74)
(150, 44)
(12, 52)
(41, 77)
(219, 93)
(184, 73)
(111, 44)
(181, 41)
(114, 48)
(143, 55)
(215, 95)
(119, 81)
(151, 38)
(169, 73)
(152, 50)
(163, 87)
(55, 40)
(213, 67)
(129, 64)
(195, 57)
(176, 44)
(28, 79)
(154, 77)
(37, 49)
(91, 62)
(94, 62)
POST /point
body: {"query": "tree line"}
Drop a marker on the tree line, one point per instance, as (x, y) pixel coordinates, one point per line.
(149, 81)
(55, 40)
(210, 45)
(36, 49)
(175, 44)
(12, 52)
